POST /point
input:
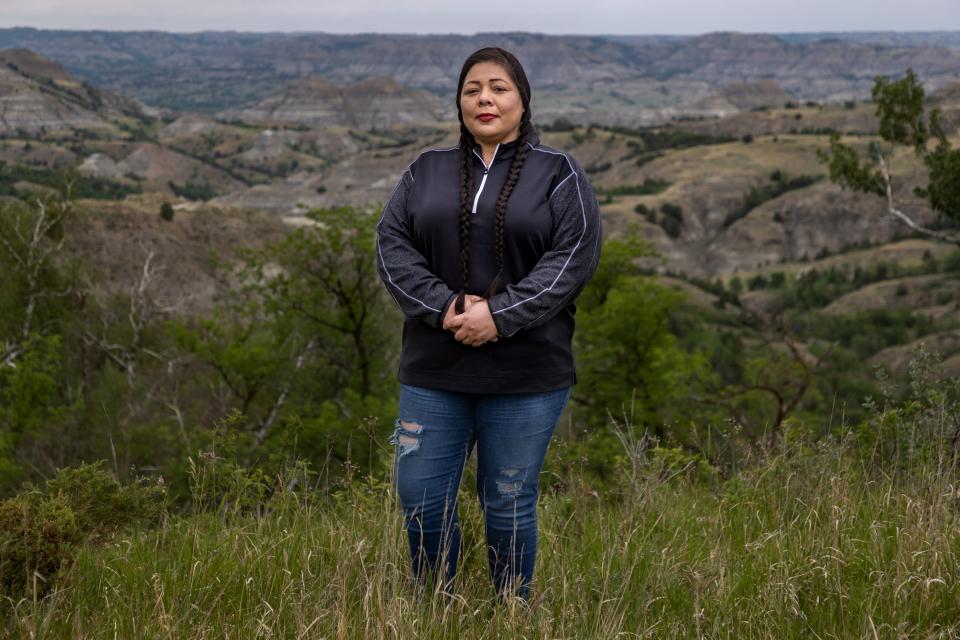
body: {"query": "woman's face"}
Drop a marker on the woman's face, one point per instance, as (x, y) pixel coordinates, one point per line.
(491, 104)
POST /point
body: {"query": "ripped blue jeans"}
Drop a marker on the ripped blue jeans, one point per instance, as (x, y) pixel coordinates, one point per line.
(436, 432)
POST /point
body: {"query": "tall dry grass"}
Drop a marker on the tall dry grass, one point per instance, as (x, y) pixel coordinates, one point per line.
(856, 538)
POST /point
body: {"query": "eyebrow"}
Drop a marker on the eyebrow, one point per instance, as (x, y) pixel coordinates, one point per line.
(491, 80)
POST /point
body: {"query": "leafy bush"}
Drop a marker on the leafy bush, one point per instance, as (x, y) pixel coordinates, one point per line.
(220, 484)
(672, 219)
(650, 186)
(40, 531)
(193, 190)
(952, 262)
(646, 157)
(559, 125)
(646, 212)
(919, 431)
(758, 281)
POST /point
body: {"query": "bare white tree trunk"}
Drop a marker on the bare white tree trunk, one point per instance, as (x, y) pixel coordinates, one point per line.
(267, 423)
(142, 311)
(32, 251)
(904, 218)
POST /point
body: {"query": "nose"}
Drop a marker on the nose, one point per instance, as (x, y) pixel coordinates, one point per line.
(484, 97)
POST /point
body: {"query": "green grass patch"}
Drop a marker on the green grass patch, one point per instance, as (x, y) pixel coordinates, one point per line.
(82, 186)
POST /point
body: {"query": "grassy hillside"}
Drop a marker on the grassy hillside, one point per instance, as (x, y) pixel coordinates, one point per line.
(841, 540)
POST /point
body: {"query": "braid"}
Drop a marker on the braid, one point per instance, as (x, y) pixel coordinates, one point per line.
(515, 166)
(466, 189)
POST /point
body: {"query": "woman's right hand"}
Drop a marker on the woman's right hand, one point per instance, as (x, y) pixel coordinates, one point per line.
(454, 322)
(468, 301)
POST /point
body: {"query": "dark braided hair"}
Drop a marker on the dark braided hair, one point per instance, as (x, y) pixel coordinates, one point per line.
(467, 142)
(466, 189)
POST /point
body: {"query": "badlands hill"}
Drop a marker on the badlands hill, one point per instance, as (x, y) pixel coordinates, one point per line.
(367, 104)
(38, 95)
(628, 80)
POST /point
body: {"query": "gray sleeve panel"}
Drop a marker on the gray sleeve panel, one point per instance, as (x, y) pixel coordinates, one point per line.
(403, 269)
(564, 270)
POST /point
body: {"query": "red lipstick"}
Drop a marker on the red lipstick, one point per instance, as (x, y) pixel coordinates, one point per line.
(486, 117)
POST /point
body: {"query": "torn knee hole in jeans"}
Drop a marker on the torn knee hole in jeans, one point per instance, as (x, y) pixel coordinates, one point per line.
(405, 437)
(511, 482)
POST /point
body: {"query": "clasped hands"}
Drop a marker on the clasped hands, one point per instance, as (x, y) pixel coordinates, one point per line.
(474, 327)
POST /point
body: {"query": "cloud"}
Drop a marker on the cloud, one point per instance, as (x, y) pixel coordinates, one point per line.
(440, 16)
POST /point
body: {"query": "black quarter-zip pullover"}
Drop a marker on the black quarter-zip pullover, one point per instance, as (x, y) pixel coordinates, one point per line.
(552, 245)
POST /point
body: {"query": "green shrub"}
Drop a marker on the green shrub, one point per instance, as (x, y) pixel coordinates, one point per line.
(646, 212)
(918, 430)
(559, 125)
(38, 534)
(644, 158)
(193, 190)
(219, 483)
(166, 211)
(672, 219)
(758, 281)
(672, 210)
(650, 186)
(40, 531)
(952, 262)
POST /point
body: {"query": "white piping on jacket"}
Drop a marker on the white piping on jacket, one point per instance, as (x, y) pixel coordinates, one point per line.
(383, 213)
(486, 169)
(583, 214)
(380, 251)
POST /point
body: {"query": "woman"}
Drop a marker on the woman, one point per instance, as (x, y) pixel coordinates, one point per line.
(484, 247)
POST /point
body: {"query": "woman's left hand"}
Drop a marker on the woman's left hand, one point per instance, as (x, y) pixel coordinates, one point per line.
(474, 326)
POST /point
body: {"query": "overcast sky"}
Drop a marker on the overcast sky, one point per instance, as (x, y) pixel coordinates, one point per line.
(443, 16)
